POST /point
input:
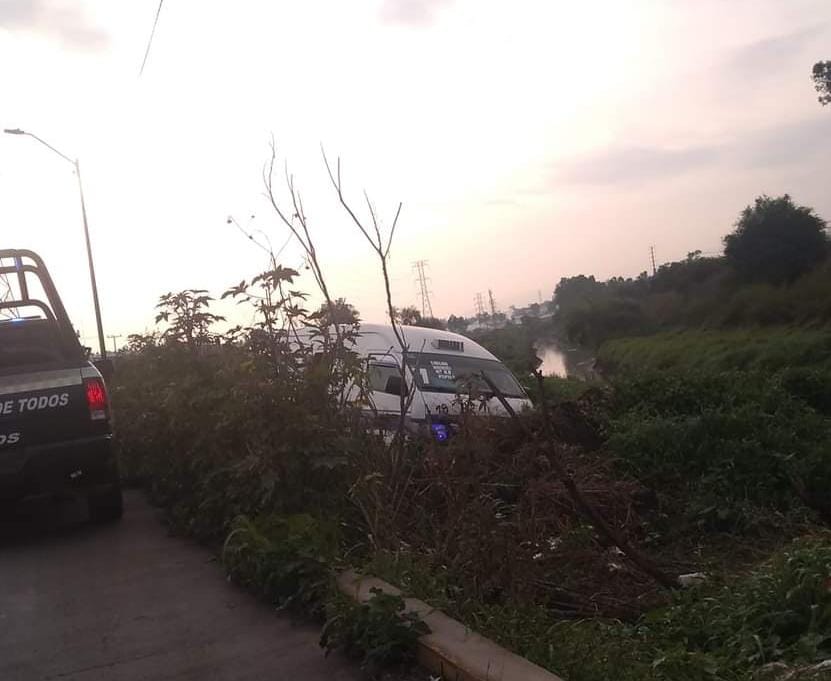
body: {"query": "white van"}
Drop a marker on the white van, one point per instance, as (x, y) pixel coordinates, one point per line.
(441, 369)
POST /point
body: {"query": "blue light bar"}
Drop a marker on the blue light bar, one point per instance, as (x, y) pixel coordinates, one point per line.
(440, 432)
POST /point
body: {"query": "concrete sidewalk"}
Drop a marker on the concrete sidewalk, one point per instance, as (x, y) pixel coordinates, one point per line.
(127, 602)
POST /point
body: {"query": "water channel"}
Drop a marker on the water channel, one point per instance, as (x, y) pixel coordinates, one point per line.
(563, 361)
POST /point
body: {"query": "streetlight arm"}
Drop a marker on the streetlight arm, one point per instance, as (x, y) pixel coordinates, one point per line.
(18, 131)
(94, 284)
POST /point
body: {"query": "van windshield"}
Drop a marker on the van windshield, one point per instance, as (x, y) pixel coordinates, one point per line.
(451, 373)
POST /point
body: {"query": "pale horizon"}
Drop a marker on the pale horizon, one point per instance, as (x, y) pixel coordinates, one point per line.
(527, 142)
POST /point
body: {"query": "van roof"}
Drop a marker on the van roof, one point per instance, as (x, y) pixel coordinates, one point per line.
(420, 339)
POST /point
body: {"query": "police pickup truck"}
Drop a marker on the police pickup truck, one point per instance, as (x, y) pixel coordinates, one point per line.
(55, 430)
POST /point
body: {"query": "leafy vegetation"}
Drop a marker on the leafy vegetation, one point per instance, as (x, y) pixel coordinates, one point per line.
(514, 345)
(822, 81)
(188, 319)
(772, 620)
(682, 464)
(245, 438)
(776, 241)
(286, 560)
(558, 389)
(674, 299)
(729, 445)
(800, 350)
(561, 533)
(781, 612)
(380, 632)
(775, 272)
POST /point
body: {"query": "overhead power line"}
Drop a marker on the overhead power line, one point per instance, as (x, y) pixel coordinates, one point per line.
(150, 40)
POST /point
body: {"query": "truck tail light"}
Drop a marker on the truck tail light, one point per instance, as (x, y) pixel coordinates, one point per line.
(96, 399)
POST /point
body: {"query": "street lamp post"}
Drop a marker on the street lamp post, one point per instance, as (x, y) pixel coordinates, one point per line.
(102, 347)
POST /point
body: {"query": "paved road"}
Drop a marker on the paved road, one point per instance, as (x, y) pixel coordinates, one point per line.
(126, 602)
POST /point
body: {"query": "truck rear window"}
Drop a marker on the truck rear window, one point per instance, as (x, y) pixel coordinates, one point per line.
(27, 341)
(35, 330)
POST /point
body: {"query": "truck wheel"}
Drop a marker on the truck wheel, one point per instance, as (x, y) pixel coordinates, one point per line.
(106, 506)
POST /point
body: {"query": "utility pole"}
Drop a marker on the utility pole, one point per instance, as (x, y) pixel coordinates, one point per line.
(652, 257)
(76, 163)
(480, 305)
(424, 292)
(114, 336)
(492, 302)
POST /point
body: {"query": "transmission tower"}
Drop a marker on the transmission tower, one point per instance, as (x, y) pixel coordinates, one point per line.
(480, 305)
(424, 292)
(492, 302)
(652, 257)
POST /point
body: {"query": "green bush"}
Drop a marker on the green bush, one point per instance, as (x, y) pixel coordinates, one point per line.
(728, 631)
(245, 445)
(811, 385)
(725, 443)
(559, 389)
(708, 350)
(286, 560)
(380, 632)
(781, 612)
(217, 436)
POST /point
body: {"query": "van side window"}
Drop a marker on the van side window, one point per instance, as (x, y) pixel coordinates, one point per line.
(380, 375)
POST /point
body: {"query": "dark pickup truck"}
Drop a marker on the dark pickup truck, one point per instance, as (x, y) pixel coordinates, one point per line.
(55, 429)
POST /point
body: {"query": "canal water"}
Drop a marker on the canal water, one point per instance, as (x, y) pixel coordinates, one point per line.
(562, 361)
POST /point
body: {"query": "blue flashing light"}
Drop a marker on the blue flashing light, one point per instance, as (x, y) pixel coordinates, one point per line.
(440, 432)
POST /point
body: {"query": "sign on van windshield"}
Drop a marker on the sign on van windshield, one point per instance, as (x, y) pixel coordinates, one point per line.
(443, 370)
(443, 373)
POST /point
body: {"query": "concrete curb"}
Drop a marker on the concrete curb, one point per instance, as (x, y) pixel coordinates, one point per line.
(451, 650)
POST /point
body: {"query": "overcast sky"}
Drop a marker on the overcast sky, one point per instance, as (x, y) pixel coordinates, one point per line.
(528, 140)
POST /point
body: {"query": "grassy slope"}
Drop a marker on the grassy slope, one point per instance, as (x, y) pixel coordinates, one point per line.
(768, 349)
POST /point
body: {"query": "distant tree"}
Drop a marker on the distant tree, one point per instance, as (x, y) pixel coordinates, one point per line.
(432, 323)
(499, 319)
(187, 314)
(590, 325)
(683, 276)
(822, 81)
(775, 241)
(339, 312)
(457, 324)
(576, 290)
(411, 316)
(142, 342)
(408, 316)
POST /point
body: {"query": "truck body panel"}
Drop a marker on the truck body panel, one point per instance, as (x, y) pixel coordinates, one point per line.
(55, 430)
